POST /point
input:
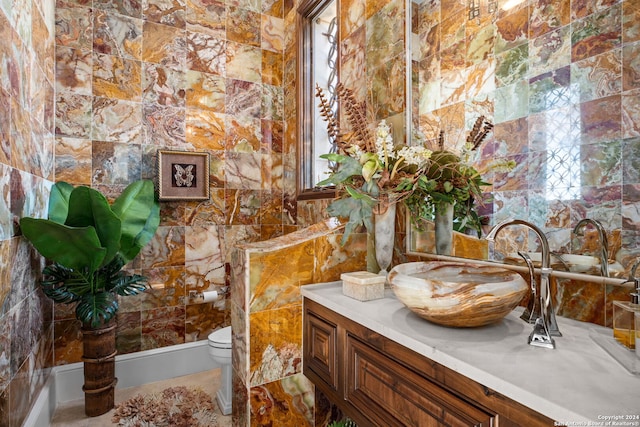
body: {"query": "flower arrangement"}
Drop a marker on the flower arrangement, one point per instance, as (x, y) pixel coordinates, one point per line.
(372, 170)
(451, 178)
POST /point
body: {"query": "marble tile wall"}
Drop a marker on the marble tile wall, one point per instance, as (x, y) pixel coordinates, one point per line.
(26, 171)
(136, 77)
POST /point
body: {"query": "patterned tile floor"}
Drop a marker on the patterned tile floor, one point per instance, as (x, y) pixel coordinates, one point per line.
(71, 414)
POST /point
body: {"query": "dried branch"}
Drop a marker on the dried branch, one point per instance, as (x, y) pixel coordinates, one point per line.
(333, 127)
(481, 129)
(356, 113)
(477, 127)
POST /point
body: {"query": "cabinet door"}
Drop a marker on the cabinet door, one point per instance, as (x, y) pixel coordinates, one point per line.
(403, 398)
(320, 349)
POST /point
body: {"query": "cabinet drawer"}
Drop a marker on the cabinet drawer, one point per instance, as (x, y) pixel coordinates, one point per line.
(320, 349)
(405, 399)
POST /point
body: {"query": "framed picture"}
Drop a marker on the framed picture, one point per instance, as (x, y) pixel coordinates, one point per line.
(183, 175)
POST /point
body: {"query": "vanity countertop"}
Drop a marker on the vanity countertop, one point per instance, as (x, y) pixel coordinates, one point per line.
(577, 383)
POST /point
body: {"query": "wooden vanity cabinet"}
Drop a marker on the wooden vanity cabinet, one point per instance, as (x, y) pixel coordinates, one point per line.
(378, 382)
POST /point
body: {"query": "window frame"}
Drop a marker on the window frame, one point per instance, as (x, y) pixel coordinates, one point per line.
(307, 11)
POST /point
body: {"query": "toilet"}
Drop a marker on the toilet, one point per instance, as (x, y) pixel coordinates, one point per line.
(220, 351)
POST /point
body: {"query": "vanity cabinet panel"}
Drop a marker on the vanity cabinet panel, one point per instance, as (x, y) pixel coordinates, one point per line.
(320, 342)
(404, 398)
(378, 382)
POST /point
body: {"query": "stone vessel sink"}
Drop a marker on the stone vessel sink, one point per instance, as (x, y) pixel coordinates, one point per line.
(457, 294)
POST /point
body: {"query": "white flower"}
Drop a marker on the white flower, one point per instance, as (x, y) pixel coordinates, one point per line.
(384, 142)
(415, 155)
(468, 153)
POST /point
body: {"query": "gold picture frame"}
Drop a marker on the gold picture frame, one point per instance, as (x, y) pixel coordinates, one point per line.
(183, 175)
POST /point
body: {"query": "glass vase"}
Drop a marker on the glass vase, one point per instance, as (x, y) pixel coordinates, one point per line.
(443, 223)
(384, 218)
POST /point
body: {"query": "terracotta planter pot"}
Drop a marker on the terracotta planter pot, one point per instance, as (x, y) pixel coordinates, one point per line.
(99, 352)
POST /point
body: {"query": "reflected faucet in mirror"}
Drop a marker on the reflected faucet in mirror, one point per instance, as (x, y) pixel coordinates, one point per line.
(578, 230)
(635, 280)
(545, 324)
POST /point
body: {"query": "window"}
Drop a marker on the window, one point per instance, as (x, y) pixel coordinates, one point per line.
(318, 65)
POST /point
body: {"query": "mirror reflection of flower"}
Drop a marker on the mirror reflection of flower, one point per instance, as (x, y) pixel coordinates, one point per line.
(452, 178)
(373, 170)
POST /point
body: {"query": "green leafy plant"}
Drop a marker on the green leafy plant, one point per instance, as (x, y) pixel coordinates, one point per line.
(89, 242)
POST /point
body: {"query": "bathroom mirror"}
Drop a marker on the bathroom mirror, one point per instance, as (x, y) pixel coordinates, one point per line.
(559, 110)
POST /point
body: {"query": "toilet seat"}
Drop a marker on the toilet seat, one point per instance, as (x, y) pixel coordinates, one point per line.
(221, 338)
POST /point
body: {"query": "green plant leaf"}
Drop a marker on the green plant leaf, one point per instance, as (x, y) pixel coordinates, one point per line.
(62, 284)
(73, 247)
(371, 190)
(358, 210)
(369, 169)
(139, 213)
(88, 207)
(113, 279)
(130, 285)
(334, 157)
(83, 238)
(348, 167)
(96, 309)
(352, 192)
(345, 422)
(405, 184)
(59, 201)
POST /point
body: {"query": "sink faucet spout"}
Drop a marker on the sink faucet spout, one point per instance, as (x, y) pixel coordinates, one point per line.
(546, 254)
(604, 243)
